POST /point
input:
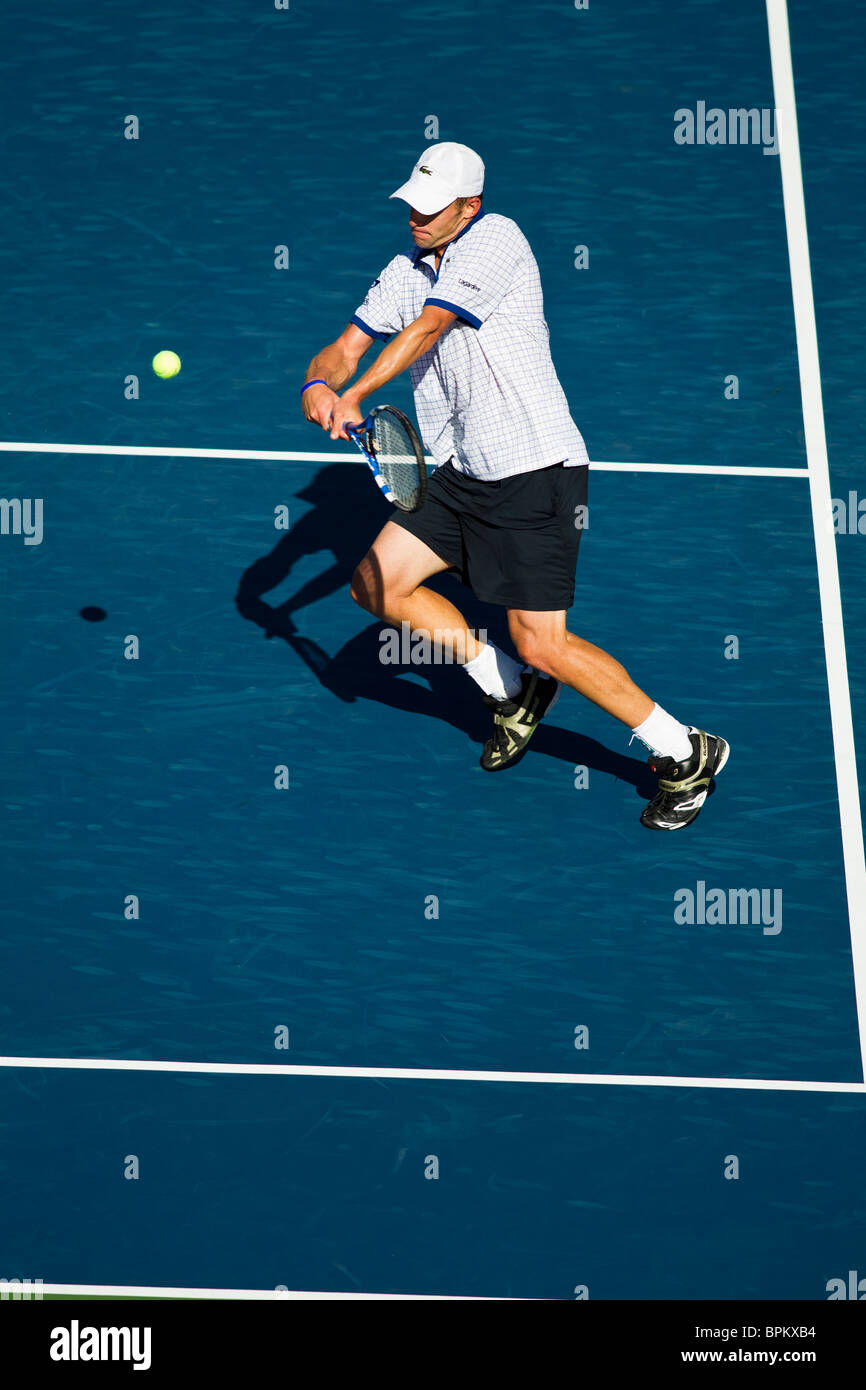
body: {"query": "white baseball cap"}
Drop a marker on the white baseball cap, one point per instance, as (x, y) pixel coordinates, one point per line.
(444, 172)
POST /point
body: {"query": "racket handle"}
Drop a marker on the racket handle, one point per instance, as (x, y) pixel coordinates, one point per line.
(359, 428)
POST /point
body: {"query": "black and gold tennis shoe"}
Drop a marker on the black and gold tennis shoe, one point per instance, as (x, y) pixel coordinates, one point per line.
(683, 787)
(515, 721)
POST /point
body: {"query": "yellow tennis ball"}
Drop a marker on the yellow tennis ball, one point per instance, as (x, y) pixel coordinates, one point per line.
(166, 364)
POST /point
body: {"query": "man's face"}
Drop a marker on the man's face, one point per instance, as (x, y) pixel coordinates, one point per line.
(431, 230)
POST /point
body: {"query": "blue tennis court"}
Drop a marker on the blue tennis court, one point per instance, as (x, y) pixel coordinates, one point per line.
(296, 999)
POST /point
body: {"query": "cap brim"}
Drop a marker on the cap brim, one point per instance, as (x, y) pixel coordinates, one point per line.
(426, 193)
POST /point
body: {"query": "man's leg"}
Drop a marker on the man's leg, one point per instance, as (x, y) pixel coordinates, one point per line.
(684, 758)
(543, 641)
(389, 582)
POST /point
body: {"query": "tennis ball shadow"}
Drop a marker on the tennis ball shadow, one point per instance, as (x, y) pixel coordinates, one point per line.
(344, 516)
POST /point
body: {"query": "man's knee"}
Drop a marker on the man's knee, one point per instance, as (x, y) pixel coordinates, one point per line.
(360, 588)
(532, 651)
(541, 650)
(356, 587)
(372, 587)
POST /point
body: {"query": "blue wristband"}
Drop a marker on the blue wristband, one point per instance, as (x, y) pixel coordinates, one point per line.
(319, 381)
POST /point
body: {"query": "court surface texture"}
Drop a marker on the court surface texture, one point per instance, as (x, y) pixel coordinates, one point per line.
(297, 1000)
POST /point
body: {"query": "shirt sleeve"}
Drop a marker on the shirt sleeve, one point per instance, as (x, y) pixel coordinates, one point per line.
(379, 315)
(475, 279)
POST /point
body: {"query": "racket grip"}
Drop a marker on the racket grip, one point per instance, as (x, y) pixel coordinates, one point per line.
(360, 428)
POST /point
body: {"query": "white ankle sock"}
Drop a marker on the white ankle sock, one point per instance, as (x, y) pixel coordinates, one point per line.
(497, 673)
(664, 735)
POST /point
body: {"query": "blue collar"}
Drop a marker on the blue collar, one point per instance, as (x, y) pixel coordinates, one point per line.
(418, 254)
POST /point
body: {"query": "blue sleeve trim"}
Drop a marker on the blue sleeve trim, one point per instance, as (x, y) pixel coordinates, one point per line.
(456, 309)
(371, 332)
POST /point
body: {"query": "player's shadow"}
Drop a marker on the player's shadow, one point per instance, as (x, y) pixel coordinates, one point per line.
(345, 515)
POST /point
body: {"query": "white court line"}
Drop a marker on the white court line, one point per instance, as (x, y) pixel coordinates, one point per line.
(723, 469)
(553, 1078)
(819, 482)
(155, 1291)
(296, 456)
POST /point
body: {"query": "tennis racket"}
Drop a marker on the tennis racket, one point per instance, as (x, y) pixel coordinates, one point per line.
(390, 444)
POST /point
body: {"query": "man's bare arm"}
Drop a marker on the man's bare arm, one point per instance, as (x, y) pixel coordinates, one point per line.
(335, 364)
(405, 348)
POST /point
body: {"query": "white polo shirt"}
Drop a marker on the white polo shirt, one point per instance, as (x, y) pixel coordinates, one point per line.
(486, 394)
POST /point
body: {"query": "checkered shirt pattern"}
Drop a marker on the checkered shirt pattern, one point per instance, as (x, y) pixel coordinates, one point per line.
(486, 394)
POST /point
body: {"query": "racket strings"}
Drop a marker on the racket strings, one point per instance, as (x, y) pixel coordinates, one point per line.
(396, 458)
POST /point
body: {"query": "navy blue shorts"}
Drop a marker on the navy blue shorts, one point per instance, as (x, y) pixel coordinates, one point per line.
(513, 542)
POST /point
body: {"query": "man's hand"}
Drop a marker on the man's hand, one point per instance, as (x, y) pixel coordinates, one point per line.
(335, 363)
(346, 410)
(318, 405)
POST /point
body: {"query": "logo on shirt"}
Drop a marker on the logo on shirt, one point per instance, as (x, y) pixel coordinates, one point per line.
(424, 170)
(469, 285)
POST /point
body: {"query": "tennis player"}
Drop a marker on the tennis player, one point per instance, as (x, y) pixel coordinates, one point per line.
(462, 310)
